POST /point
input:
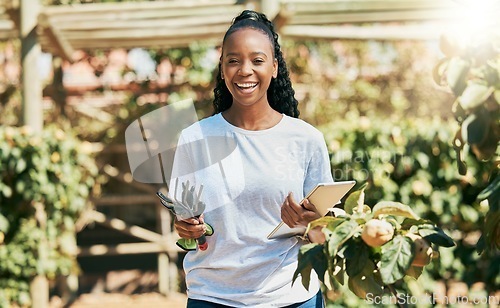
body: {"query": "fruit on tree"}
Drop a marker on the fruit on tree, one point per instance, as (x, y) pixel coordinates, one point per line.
(2, 237)
(423, 251)
(377, 232)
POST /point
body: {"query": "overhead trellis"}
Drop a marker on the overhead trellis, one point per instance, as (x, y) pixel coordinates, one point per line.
(137, 24)
(165, 24)
(149, 24)
(388, 19)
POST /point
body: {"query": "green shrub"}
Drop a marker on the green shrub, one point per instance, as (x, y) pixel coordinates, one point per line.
(45, 181)
(413, 161)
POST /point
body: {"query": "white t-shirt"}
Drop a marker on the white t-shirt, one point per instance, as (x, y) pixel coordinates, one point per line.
(246, 176)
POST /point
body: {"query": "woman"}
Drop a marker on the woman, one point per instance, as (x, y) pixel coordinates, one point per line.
(276, 158)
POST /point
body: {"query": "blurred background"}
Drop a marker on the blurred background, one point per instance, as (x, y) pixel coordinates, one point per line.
(406, 93)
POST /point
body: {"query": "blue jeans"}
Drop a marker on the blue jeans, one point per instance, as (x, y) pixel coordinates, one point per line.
(315, 302)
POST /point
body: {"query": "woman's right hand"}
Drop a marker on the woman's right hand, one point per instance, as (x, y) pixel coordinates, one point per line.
(190, 228)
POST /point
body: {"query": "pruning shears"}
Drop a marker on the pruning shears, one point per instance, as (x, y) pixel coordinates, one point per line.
(189, 206)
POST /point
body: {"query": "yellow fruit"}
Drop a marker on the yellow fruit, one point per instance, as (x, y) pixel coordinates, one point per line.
(377, 232)
(2, 237)
(55, 157)
(423, 251)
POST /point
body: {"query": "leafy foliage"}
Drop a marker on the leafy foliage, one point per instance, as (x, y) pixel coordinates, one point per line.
(45, 181)
(371, 268)
(473, 74)
(413, 161)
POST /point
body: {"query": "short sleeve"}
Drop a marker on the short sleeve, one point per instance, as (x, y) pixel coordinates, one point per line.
(319, 168)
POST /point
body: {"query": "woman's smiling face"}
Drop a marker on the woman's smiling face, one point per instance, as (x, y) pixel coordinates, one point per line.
(248, 65)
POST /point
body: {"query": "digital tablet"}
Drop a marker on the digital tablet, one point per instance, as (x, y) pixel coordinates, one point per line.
(324, 197)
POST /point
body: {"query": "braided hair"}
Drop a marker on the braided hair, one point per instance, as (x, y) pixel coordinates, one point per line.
(280, 94)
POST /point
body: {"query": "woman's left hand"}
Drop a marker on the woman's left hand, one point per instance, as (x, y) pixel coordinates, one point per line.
(294, 214)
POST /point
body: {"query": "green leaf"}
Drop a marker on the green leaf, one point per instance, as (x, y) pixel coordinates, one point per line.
(409, 222)
(356, 256)
(4, 224)
(435, 235)
(21, 165)
(475, 128)
(354, 199)
(414, 271)
(456, 74)
(462, 167)
(474, 95)
(458, 146)
(338, 271)
(393, 208)
(328, 221)
(490, 189)
(497, 96)
(491, 229)
(396, 259)
(340, 235)
(20, 186)
(438, 70)
(364, 283)
(310, 256)
(7, 191)
(458, 111)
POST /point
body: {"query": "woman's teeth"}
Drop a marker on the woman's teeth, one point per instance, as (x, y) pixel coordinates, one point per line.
(246, 85)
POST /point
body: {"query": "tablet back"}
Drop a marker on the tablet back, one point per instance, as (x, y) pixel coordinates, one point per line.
(324, 197)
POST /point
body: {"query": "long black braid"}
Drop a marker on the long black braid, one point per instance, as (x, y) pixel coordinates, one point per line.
(280, 94)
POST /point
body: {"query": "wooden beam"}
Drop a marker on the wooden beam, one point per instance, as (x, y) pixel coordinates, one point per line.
(378, 32)
(123, 227)
(119, 200)
(317, 6)
(173, 22)
(128, 248)
(153, 43)
(149, 13)
(95, 113)
(371, 16)
(127, 178)
(132, 33)
(56, 38)
(135, 6)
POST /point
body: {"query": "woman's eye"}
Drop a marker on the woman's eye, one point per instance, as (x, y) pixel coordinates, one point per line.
(232, 61)
(258, 61)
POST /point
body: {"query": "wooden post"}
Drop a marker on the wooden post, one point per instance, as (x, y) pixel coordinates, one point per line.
(39, 286)
(164, 281)
(32, 111)
(39, 289)
(270, 7)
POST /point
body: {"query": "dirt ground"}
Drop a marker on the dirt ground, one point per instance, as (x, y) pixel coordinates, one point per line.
(116, 300)
(133, 288)
(120, 289)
